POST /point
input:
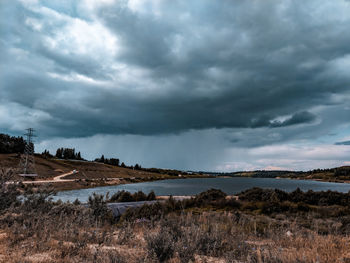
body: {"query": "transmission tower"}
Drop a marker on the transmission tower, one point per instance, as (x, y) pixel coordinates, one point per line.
(27, 163)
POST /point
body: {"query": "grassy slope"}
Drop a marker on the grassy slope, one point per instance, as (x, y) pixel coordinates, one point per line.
(91, 173)
(48, 168)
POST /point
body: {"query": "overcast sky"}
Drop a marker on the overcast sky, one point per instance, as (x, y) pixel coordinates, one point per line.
(200, 84)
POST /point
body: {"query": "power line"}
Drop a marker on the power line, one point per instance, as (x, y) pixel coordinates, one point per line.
(27, 163)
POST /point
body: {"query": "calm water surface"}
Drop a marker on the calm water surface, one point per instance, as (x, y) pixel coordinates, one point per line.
(196, 185)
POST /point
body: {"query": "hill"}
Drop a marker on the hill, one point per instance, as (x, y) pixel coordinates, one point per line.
(338, 174)
(88, 173)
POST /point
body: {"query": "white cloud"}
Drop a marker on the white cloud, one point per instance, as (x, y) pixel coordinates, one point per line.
(153, 7)
(78, 37)
(34, 24)
(74, 77)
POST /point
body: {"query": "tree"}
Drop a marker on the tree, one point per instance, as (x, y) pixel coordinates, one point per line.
(59, 153)
(68, 153)
(46, 154)
(10, 144)
(114, 162)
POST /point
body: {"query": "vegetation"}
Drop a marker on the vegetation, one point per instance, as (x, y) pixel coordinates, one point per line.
(328, 198)
(116, 162)
(261, 226)
(111, 161)
(165, 171)
(68, 153)
(124, 196)
(46, 154)
(339, 174)
(9, 144)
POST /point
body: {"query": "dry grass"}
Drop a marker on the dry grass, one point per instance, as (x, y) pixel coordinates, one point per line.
(38, 230)
(212, 236)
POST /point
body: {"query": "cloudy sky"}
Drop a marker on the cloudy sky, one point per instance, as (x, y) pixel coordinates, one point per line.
(200, 84)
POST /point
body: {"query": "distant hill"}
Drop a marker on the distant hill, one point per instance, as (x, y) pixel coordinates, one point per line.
(338, 174)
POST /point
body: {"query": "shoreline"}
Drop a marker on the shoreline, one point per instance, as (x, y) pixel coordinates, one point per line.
(78, 184)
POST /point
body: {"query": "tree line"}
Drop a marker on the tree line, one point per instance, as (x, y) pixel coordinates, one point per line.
(11, 144)
(68, 153)
(116, 162)
(71, 154)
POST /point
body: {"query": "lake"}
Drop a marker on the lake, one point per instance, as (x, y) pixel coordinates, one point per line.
(194, 186)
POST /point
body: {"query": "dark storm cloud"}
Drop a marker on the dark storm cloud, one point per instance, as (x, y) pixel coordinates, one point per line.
(254, 66)
(298, 118)
(343, 143)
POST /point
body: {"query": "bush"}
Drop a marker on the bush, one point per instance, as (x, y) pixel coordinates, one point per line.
(38, 199)
(210, 195)
(99, 208)
(146, 211)
(115, 197)
(139, 196)
(9, 192)
(124, 196)
(310, 197)
(160, 245)
(151, 196)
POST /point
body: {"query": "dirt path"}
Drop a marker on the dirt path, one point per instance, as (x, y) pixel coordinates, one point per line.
(59, 179)
(56, 179)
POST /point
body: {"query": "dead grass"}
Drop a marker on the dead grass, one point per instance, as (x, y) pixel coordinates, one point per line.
(38, 230)
(208, 237)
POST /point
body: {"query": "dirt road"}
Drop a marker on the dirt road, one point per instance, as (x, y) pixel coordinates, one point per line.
(56, 179)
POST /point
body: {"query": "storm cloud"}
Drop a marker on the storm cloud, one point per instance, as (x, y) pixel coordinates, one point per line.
(343, 143)
(255, 73)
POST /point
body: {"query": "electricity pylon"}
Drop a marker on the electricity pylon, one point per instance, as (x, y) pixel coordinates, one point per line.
(27, 163)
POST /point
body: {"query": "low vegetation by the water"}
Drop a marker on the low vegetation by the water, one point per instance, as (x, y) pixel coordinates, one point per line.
(124, 196)
(261, 226)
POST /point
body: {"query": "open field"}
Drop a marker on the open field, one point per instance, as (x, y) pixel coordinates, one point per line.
(89, 174)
